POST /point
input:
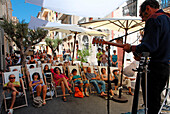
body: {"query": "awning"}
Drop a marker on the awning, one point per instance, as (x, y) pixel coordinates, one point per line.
(85, 8)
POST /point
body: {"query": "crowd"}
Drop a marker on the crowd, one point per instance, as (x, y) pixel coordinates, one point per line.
(61, 76)
(102, 58)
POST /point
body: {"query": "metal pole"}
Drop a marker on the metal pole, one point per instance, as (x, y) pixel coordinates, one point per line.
(109, 85)
(146, 99)
(123, 59)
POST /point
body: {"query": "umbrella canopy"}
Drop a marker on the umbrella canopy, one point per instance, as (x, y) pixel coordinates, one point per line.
(65, 28)
(85, 8)
(117, 24)
(68, 28)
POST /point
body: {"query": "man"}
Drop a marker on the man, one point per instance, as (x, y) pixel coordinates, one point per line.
(156, 40)
(98, 56)
(95, 80)
(13, 87)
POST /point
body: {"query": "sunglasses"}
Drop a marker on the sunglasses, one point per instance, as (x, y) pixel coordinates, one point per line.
(11, 77)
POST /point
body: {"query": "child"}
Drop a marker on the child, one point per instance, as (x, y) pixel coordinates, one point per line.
(78, 80)
(115, 78)
(37, 85)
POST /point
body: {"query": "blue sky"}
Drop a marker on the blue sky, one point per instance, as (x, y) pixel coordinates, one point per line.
(24, 11)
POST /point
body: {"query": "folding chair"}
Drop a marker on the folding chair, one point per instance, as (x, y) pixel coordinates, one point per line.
(20, 70)
(31, 72)
(57, 87)
(7, 96)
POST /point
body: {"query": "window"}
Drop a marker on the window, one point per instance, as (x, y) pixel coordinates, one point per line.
(130, 9)
(85, 41)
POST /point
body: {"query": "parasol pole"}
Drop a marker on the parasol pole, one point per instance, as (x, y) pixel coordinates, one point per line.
(74, 47)
(123, 58)
(121, 98)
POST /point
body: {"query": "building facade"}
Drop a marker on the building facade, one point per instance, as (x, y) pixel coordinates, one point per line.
(5, 45)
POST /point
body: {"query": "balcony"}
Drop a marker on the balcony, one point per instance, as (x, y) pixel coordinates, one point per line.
(165, 4)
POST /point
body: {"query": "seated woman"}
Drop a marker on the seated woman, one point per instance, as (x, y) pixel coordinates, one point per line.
(43, 59)
(37, 85)
(113, 79)
(61, 80)
(78, 80)
(47, 74)
(32, 61)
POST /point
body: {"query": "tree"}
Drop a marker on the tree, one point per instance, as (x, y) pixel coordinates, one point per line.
(53, 43)
(23, 37)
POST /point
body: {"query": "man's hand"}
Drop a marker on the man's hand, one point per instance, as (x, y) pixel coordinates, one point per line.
(127, 48)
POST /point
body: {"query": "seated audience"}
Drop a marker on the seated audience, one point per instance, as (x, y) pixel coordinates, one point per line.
(32, 61)
(78, 80)
(12, 87)
(95, 80)
(37, 85)
(61, 80)
(125, 81)
(113, 79)
(47, 74)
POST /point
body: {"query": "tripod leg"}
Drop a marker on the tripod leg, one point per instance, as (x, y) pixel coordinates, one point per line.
(164, 102)
(136, 94)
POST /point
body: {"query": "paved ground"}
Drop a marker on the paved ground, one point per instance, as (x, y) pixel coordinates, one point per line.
(88, 105)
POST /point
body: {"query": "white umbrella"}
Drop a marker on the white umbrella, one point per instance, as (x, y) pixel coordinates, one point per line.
(116, 23)
(69, 28)
(85, 8)
(66, 28)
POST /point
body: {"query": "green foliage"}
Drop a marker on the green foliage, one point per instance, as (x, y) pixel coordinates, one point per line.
(22, 35)
(53, 43)
(83, 54)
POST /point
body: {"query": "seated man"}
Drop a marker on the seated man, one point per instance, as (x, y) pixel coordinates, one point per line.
(13, 87)
(125, 80)
(95, 80)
